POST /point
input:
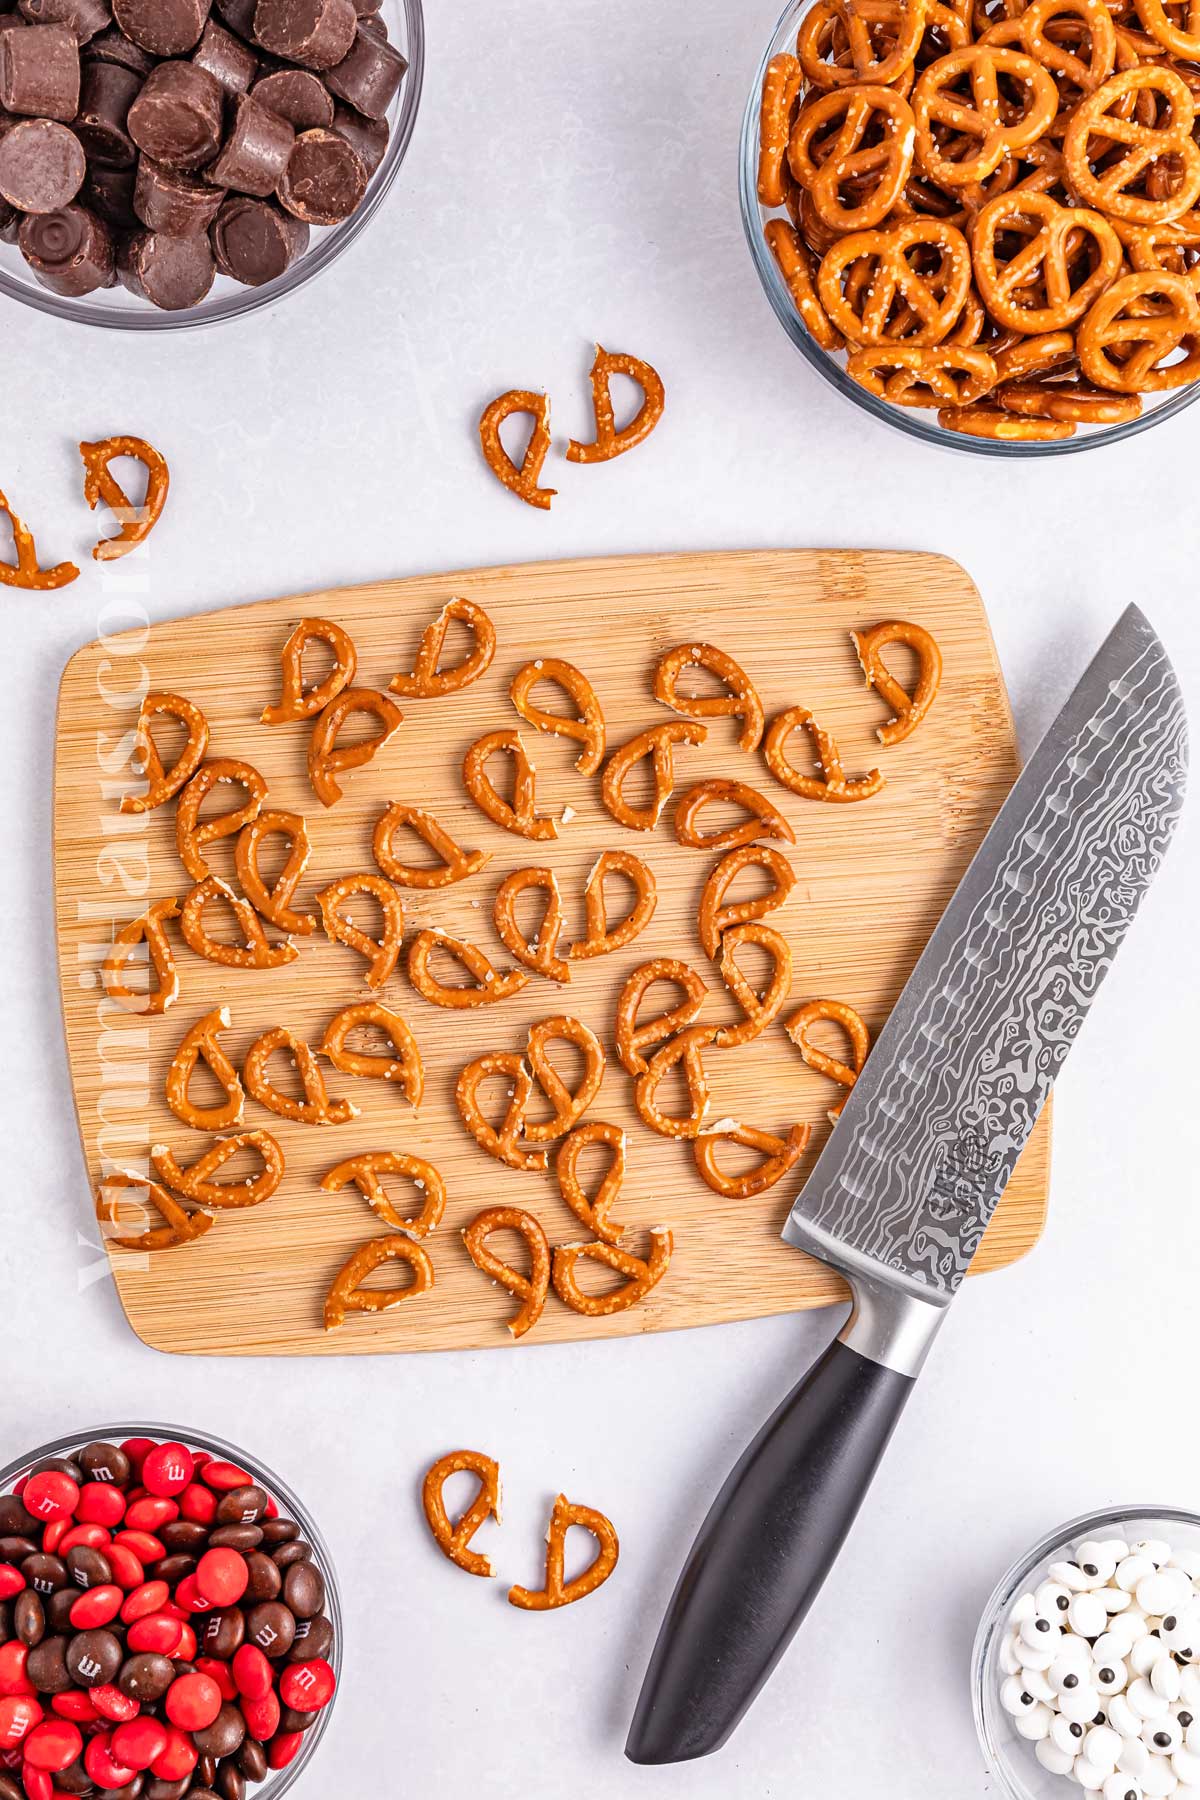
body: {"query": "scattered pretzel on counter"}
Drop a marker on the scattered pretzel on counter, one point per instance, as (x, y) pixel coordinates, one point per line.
(765, 820)
(99, 483)
(610, 442)
(316, 1108)
(658, 744)
(521, 479)
(197, 1183)
(297, 701)
(192, 837)
(714, 919)
(274, 903)
(778, 1156)
(125, 958)
(588, 728)
(741, 702)
(255, 952)
(540, 952)
(428, 680)
(594, 1212)
(325, 761)
(531, 1289)
(178, 1227)
(402, 1065)
(456, 864)
(163, 784)
(686, 1053)
(633, 1038)
(833, 783)
(489, 987)
(367, 1171)
(558, 1591)
(522, 816)
(502, 1142)
(201, 1044)
(454, 1540)
(600, 940)
(640, 1276)
(27, 572)
(380, 952)
(908, 710)
(569, 1104)
(760, 1010)
(797, 1028)
(348, 1295)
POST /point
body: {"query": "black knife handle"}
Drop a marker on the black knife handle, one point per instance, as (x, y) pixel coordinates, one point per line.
(768, 1543)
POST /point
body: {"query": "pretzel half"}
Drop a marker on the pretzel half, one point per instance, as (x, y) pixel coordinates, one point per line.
(521, 479)
(27, 572)
(659, 745)
(741, 702)
(760, 1009)
(569, 1104)
(316, 1108)
(403, 1066)
(99, 483)
(197, 1183)
(380, 952)
(531, 1289)
(254, 953)
(201, 1044)
(522, 816)
(502, 1142)
(456, 864)
(295, 700)
(797, 1028)
(908, 710)
(325, 761)
(587, 728)
(366, 1172)
(540, 952)
(609, 441)
(833, 783)
(163, 784)
(765, 820)
(714, 919)
(778, 1156)
(274, 903)
(600, 940)
(640, 1276)
(632, 1038)
(178, 1227)
(558, 1591)
(149, 931)
(192, 837)
(454, 1540)
(685, 1052)
(347, 1295)
(489, 987)
(594, 1211)
(427, 681)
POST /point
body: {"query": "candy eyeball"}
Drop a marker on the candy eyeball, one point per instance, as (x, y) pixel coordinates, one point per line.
(1109, 1675)
(1051, 1599)
(1102, 1746)
(1122, 1787)
(1087, 1616)
(1067, 1736)
(1180, 1632)
(1162, 1737)
(1033, 1722)
(1097, 1563)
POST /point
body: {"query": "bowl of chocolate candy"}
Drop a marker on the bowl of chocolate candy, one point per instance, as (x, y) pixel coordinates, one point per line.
(171, 163)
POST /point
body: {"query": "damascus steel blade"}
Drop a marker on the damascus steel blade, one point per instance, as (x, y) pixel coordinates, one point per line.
(932, 1128)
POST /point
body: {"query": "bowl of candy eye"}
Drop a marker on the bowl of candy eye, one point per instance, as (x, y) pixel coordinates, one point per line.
(170, 1620)
(173, 163)
(984, 230)
(1086, 1667)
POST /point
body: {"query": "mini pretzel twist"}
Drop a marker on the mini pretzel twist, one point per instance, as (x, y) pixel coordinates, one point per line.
(521, 480)
(714, 919)
(908, 710)
(453, 1540)
(640, 1276)
(1049, 238)
(557, 1591)
(274, 903)
(538, 953)
(797, 1028)
(151, 931)
(900, 23)
(316, 1108)
(325, 762)
(456, 864)
(600, 940)
(795, 263)
(403, 1065)
(924, 375)
(852, 153)
(610, 442)
(99, 483)
(295, 700)
(366, 1172)
(164, 784)
(347, 1295)
(897, 296)
(192, 837)
(522, 816)
(27, 572)
(780, 90)
(380, 952)
(632, 1038)
(984, 127)
(994, 422)
(489, 986)
(741, 702)
(686, 1053)
(178, 1226)
(763, 1009)
(197, 1183)
(779, 1155)
(593, 1212)
(1096, 130)
(531, 1289)
(1145, 318)
(587, 729)
(503, 1143)
(833, 785)
(253, 953)
(569, 1104)
(200, 1044)
(428, 681)
(659, 745)
(765, 821)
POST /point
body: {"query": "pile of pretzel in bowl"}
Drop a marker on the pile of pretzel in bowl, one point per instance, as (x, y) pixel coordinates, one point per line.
(993, 208)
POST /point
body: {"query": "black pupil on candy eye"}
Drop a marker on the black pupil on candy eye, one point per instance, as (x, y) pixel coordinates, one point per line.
(1170, 1622)
(1185, 1720)
(1106, 1674)
(1063, 1603)
(1090, 1569)
(1043, 1624)
(1026, 1699)
(1099, 1719)
(1162, 1739)
(1070, 1681)
(1077, 1731)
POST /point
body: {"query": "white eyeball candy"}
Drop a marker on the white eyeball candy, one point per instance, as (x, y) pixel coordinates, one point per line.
(1159, 1780)
(1108, 1675)
(1162, 1737)
(1073, 1577)
(1068, 1671)
(1088, 1775)
(1057, 1761)
(1181, 1631)
(1081, 1705)
(1186, 1764)
(1067, 1736)
(1087, 1615)
(1008, 1656)
(1133, 1569)
(1166, 1591)
(1052, 1598)
(1145, 1701)
(1097, 1563)
(1037, 1633)
(1037, 1685)
(1033, 1722)
(1133, 1758)
(1102, 1746)
(1013, 1697)
(1121, 1787)
(1122, 1717)
(1164, 1678)
(1189, 1688)
(1145, 1653)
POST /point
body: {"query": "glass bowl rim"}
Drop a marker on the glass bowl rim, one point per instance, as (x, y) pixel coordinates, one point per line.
(907, 420)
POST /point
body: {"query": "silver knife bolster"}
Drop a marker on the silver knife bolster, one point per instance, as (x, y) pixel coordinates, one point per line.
(893, 1319)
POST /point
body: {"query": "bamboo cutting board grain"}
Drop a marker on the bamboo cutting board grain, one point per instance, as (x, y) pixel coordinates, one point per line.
(872, 881)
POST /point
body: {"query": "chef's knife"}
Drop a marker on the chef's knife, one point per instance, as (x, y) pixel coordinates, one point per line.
(904, 1189)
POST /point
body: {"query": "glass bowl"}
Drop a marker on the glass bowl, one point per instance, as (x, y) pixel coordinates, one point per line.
(906, 419)
(120, 310)
(1009, 1757)
(279, 1782)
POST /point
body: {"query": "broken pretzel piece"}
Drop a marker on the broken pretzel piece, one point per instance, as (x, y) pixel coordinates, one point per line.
(741, 701)
(347, 1294)
(295, 700)
(200, 1044)
(115, 971)
(403, 1066)
(714, 919)
(540, 952)
(558, 1591)
(367, 1172)
(633, 1038)
(454, 1540)
(99, 483)
(522, 816)
(503, 1142)
(196, 1182)
(163, 784)
(760, 1009)
(274, 903)
(593, 1212)
(908, 710)
(456, 863)
(427, 681)
(600, 940)
(797, 1028)
(27, 572)
(588, 728)
(521, 480)
(531, 1289)
(765, 820)
(659, 745)
(178, 1227)
(191, 837)
(325, 761)
(640, 1276)
(832, 784)
(253, 953)
(380, 952)
(316, 1108)
(609, 441)
(489, 987)
(779, 1155)
(686, 1053)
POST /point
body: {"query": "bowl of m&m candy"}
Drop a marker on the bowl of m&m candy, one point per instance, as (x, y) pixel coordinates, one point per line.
(170, 1625)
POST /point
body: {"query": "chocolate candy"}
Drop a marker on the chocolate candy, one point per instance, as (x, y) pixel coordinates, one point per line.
(42, 166)
(113, 46)
(166, 200)
(46, 1667)
(70, 252)
(368, 137)
(106, 94)
(94, 1658)
(109, 193)
(164, 27)
(85, 17)
(256, 152)
(314, 1637)
(317, 33)
(171, 272)
(229, 60)
(304, 1590)
(39, 71)
(29, 1618)
(177, 117)
(252, 1760)
(369, 76)
(324, 180)
(298, 96)
(266, 1582)
(146, 1677)
(224, 1737)
(104, 1462)
(271, 1627)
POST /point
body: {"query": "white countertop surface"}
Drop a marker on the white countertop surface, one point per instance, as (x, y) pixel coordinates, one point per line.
(573, 178)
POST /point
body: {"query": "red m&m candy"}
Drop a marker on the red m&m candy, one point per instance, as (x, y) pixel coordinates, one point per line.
(19, 1713)
(50, 1495)
(139, 1743)
(222, 1576)
(198, 1504)
(157, 1633)
(150, 1513)
(13, 1679)
(103, 1767)
(147, 1597)
(53, 1745)
(127, 1570)
(225, 1476)
(284, 1749)
(252, 1672)
(100, 1504)
(75, 1704)
(167, 1470)
(193, 1702)
(11, 1581)
(111, 1703)
(262, 1716)
(220, 1673)
(177, 1760)
(307, 1686)
(36, 1782)
(97, 1607)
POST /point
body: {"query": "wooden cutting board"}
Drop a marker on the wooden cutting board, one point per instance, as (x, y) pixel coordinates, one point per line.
(872, 881)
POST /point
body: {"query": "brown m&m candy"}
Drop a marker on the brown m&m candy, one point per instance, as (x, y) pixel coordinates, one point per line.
(227, 58)
(85, 17)
(164, 27)
(42, 166)
(324, 180)
(70, 251)
(255, 154)
(168, 200)
(298, 96)
(369, 76)
(177, 117)
(39, 71)
(106, 94)
(172, 272)
(317, 33)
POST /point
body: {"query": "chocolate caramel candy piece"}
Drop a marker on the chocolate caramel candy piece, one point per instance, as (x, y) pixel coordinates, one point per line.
(107, 92)
(324, 180)
(317, 33)
(255, 242)
(239, 16)
(10, 229)
(369, 137)
(227, 59)
(166, 200)
(42, 166)
(85, 17)
(164, 27)
(39, 71)
(114, 47)
(298, 96)
(171, 272)
(370, 76)
(255, 154)
(70, 252)
(109, 193)
(177, 117)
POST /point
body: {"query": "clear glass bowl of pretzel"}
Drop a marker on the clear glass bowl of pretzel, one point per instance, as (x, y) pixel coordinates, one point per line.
(980, 219)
